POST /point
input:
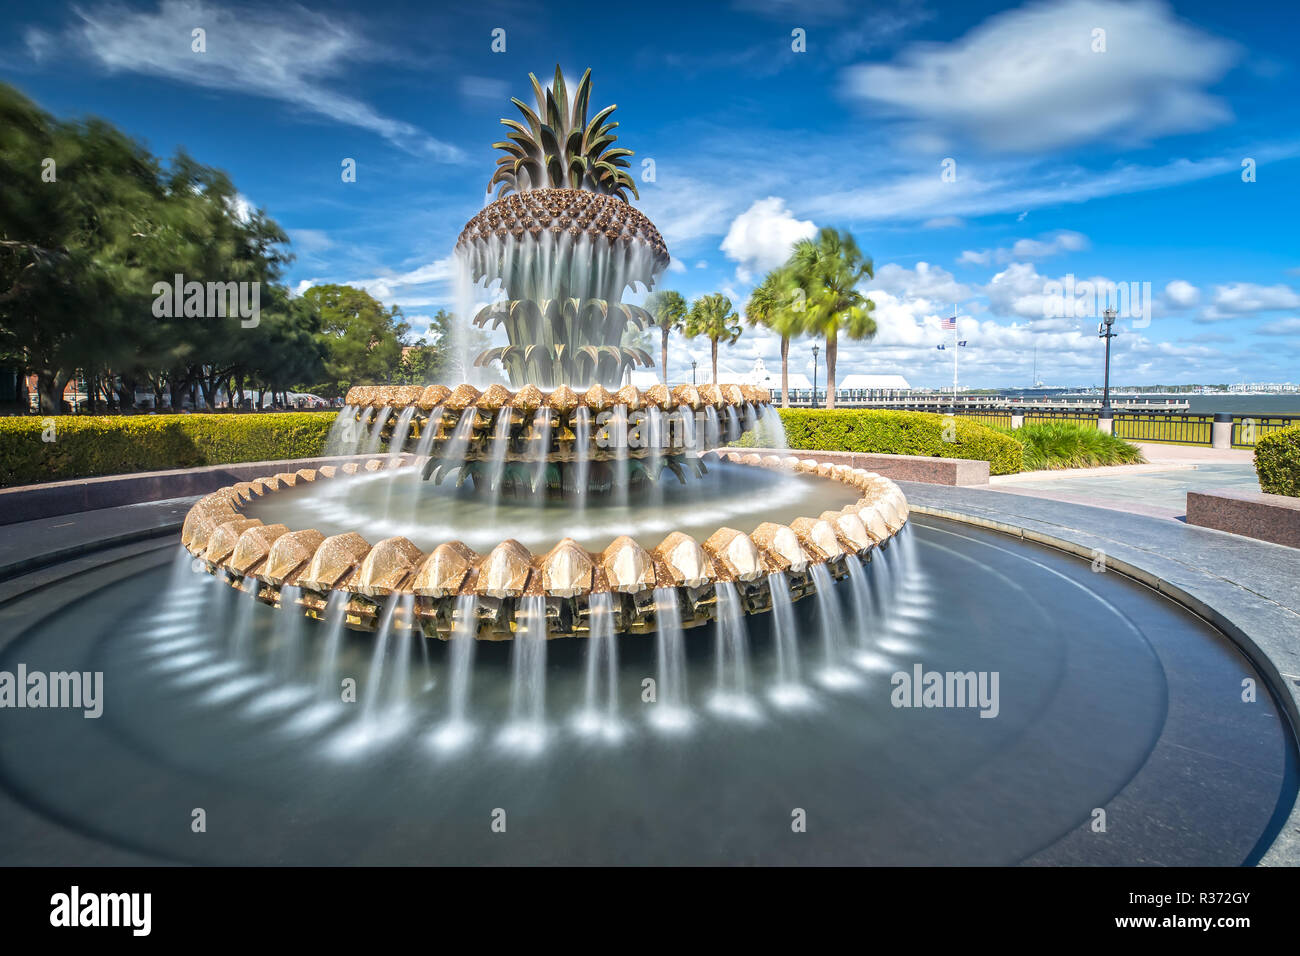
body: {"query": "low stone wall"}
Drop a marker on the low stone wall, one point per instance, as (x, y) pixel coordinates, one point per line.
(931, 471)
(1254, 514)
(29, 502)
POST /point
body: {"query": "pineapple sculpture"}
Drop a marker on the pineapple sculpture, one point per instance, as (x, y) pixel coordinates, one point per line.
(564, 244)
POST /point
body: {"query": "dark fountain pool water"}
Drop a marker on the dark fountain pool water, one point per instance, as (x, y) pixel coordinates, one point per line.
(1107, 696)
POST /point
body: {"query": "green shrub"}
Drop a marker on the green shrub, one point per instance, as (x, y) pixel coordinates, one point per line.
(1071, 445)
(1277, 461)
(897, 433)
(88, 446)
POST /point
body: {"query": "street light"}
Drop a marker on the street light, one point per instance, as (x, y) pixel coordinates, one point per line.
(693, 364)
(1104, 332)
(816, 349)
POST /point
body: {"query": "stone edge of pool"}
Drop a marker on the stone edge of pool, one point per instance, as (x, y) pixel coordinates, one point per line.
(1248, 589)
(1252, 593)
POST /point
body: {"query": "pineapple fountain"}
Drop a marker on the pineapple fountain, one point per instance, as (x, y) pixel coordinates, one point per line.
(560, 246)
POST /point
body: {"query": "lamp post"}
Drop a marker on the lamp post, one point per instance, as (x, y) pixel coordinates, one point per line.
(693, 365)
(816, 350)
(1104, 332)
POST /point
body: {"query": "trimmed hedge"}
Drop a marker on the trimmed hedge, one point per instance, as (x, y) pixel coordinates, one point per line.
(89, 446)
(1277, 461)
(897, 433)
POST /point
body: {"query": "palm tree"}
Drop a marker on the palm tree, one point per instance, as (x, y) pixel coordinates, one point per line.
(713, 317)
(771, 305)
(828, 269)
(668, 309)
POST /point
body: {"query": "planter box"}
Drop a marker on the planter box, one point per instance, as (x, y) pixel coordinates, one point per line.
(1254, 514)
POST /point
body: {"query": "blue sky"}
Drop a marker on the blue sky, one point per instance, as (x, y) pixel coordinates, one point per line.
(1121, 164)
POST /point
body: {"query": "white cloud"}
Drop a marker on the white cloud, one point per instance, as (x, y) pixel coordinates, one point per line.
(1050, 244)
(997, 187)
(944, 222)
(1028, 79)
(1246, 298)
(926, 282)
(1280, 327)
(289, 54)
(760, 238)
(414, 288)
(1182, 294)
(676, 265)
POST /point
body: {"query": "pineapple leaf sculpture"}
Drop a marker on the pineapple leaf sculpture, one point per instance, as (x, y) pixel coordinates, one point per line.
(564, 244)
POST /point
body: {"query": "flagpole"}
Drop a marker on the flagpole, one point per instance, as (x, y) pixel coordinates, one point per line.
(955, 350)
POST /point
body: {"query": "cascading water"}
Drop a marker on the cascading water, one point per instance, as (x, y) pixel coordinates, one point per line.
(582, 449)
(527, 729)
(456, 729)
(242, 645)
(376, 436)
(395, 446)
(327, 679)
(788, 690)
(286, 654)
(541, 452)
(600, 708)
(862, 603)
(621, 473)
(733, 424)
(691, 433)
(670, 710)
(377, 696)
(770, 432)
(832, 674)
(343, 427)
(654, 433)
(731, 684)
(500, 442)
(711, 427)
(453, 453)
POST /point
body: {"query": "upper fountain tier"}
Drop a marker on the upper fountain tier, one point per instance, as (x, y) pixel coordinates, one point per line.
(562, 245)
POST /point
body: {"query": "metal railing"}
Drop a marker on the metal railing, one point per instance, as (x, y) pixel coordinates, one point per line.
(1034, 416)
(1167, 427)
(1248, 429)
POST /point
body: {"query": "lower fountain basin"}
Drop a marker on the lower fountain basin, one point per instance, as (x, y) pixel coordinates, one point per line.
(1109, 697)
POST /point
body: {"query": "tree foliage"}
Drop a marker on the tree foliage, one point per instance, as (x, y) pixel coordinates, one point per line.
(712, 317)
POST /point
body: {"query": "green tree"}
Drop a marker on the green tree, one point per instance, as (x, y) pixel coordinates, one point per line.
(773, 305)
(362, 339)
(669, 311)
(418, 364)
(713, 317)
(828, 269)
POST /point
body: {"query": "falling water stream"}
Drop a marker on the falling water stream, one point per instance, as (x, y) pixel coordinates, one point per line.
(600, 697)
(327, 680)
(376, 436)
(527, 729)
(731, 683)
(788, 689)
(832, 674)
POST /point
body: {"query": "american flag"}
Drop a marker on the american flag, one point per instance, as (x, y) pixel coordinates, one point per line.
(950, 323)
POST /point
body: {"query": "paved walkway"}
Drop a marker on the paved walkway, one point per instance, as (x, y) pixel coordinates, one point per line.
(1157, 489)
